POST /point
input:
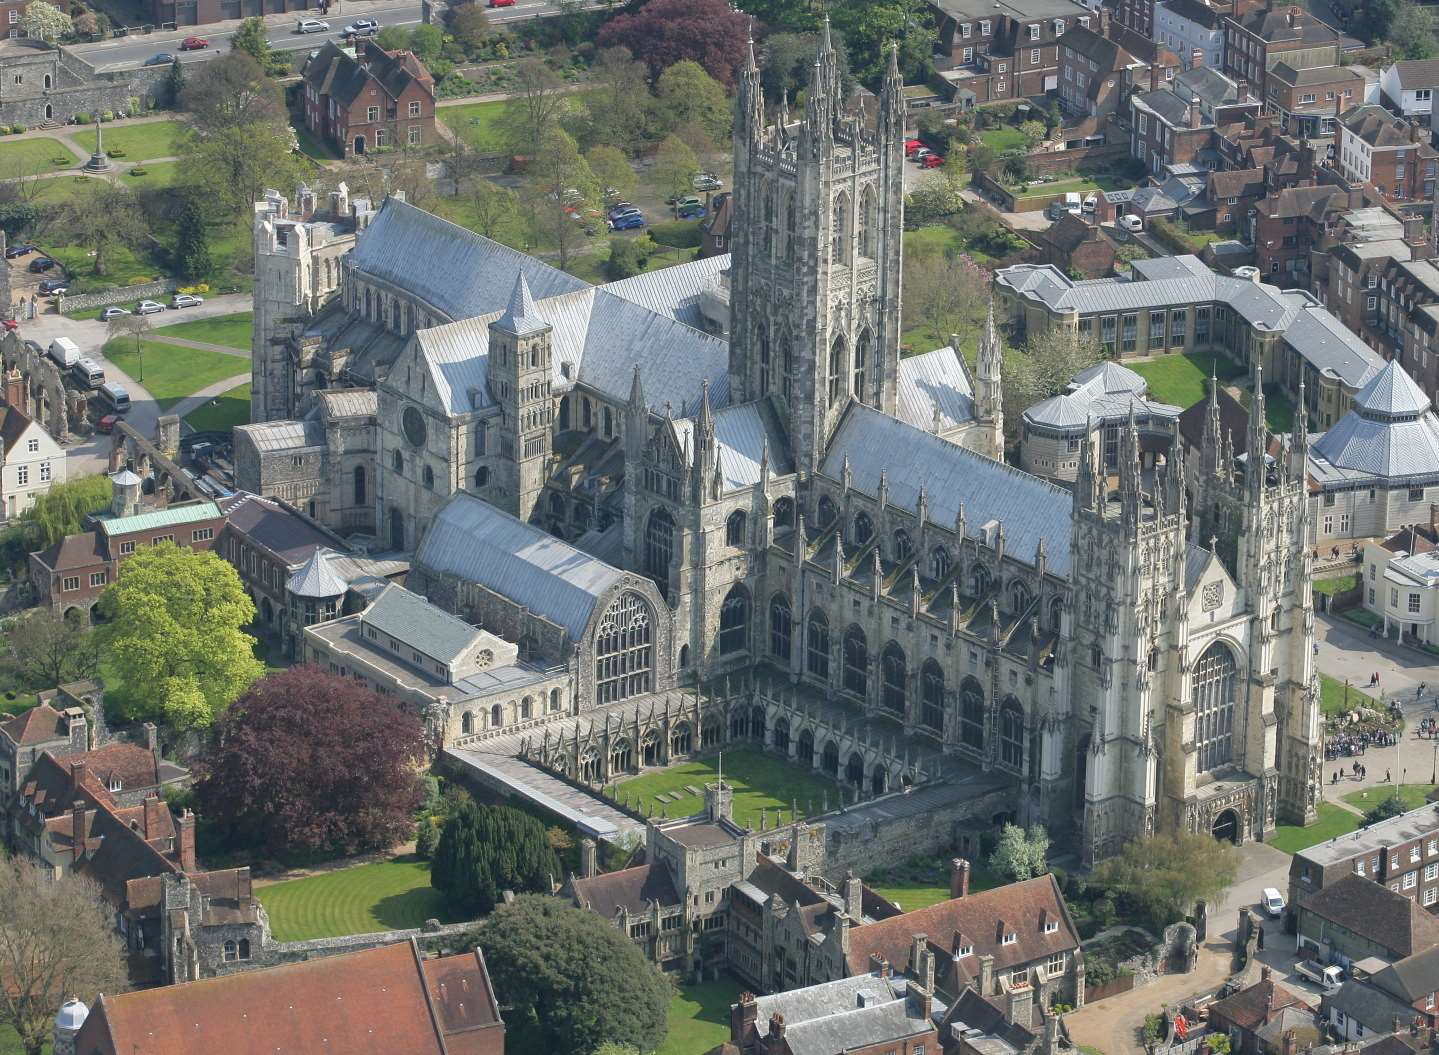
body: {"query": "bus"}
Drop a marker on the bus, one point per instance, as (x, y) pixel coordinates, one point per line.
(115, 397)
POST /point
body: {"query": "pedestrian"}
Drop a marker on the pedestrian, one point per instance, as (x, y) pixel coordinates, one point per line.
(1386, 776)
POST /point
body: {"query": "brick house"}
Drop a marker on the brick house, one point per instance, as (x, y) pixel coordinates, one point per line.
(1176, 125)
(1233, 193)
(1073, 244)
(1095, 73)
(1256, 39)
(1355, 919)
(1288, 225)
(368, 99)
(1401, 853)
(72, 574)
(1307, 99)
(1246, 1017)
(1008, 50)
(1373, 146)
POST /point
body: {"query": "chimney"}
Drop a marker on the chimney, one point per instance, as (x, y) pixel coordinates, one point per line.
(1195, 117)
(741, 1021)
(77, 828)
(588, 855)
(774, 1041)
(853, 897)
(77, 728)
(187, 844)
(958, 877)
(986, 974)
(917, 945)
(77, 773)
(922, 997)
(1196, 58)
(1154, 76)
(15, 390)
(1264, 973)
(154, 816)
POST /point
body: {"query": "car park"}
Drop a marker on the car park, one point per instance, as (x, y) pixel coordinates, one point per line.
(41, 264)
(312, 25)
(52, 287)
(621, 206)
(149, 307)
(628, 222)
(164, 58)
(19, 249)
(194, 44)
(113, 313)
(911, 146)
(1130, 222)
(186, 300)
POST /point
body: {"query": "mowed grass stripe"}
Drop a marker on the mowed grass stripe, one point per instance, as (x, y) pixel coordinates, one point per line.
(386, 895)
(760, 782)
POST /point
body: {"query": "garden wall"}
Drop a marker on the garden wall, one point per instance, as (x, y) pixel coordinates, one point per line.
(1123, 984)
(1047, 164)
(77, 87)
(119, 295)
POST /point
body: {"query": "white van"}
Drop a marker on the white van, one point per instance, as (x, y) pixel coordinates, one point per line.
(87, 373)
(1273, 902)
(65, 352)
(1072, 203)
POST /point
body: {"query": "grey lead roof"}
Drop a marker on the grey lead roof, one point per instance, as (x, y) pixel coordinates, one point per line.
(315, 578)
(848, 1014)
(520, 317)
(1030, 509)
(480, 544)
(933, 380)
(1106, 392)
(673, 291)
(1391, 432)
(743, 434)
(409, 618)
(1401, 829)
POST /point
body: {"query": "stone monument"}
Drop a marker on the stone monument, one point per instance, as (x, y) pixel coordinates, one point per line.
(99, 161)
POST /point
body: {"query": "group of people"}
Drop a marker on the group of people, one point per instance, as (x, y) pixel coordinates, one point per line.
(1355, 772)
(1348, 745)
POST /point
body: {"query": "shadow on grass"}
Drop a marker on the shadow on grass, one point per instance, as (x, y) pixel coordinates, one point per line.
(412, 908)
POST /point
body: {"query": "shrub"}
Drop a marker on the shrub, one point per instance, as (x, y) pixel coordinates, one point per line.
(83, 118)
(116, 153)
(679, 234)
(62, 162)
(108, 115)
(4, 130)
(628, 256)
(1104, 912)
(137, 171)
(17, 129)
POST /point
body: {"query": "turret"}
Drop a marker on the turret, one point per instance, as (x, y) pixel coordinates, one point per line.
(749, 111)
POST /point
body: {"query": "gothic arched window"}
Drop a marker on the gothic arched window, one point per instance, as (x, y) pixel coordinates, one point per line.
(868, 223)
(895, 671)
(624, 649)
(398, 461)
(863, 529)
(856, 660)
(359, 485)
(761, 340)
(931, 683)
(1011, 733)
(817, 645)
(659, 548)
(827, 512)
(789, 211)
(1019, 597)
(1056, 614)
(427, 475)
(1213, 695)
(903, 548)
(734, 528)
(836, 368)
(971, 714)
(939, 563)
(981, 580)
(783, 513)
(861, 361)
(781, 627)
(785, 359)
(839, 231)
(734, 622)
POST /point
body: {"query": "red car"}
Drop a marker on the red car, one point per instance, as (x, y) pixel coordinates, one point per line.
(910, 146)
(194, 44)
(9, 324)
(931, 161)
(502, 3)
(106, 424)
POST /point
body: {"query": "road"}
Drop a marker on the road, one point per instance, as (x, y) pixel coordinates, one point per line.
(132, 51)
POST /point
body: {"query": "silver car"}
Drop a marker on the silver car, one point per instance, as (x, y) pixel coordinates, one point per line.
(149, 307)
(312, 25)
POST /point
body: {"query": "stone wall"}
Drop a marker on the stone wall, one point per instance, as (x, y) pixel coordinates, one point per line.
(57, 84)
(121, 295)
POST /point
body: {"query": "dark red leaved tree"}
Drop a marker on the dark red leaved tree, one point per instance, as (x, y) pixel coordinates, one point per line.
(665, 31)
(308, 762)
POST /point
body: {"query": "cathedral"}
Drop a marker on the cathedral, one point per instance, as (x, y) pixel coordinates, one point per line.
(722, 481)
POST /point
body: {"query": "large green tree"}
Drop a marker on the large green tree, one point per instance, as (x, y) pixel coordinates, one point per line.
(50, 649)
(486, 850)
(619, 101)
(688, 95)
(1021, 854)
(1166, 874)
(42, 21)
(561, 187)
(61, 510)
(675, 166)
(789, 63)
(870, 26)
(254, 40)
(192, 241)
(570, 979)
(103, 220)
(174, 634)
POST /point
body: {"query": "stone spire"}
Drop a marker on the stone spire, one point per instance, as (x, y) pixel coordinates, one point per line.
(1258, 445)
(520, 317)
(750, 107)
(1299, 438)
(1129, 482)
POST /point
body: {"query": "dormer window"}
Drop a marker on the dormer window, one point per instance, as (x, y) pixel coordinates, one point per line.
(116, 784)
(965, 950)
(1051, 926)
(1010, 937)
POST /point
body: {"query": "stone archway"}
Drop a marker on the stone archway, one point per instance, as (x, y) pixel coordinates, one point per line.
(1226, 826)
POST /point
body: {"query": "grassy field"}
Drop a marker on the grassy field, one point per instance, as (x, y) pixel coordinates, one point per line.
(222, 412)
(476, 123)
(1081, 185)
(22, 701)
(10, 1041)
(386, 895)
(1334, 700)
(1336, 585)
(123, 267)
(1180, 379)
(1003, 140)
(153, 174)
(1412, 795)
(155, 139)
(232, 331)
(26, 157)
(171, 373)
(1333, 822)
(699, 1018)
(923, 882)
(760, 781)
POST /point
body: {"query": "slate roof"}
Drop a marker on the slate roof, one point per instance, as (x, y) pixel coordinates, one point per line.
(1195, 11)
(316, 578)
(1272, 24)
(520, 317)
(35, 726)
(378, 1000)
(1375, 912)
(632, 889)
(744, 434)
(409, 618)
(933, 380)
(1412, 978)
(288, 535)
(673, 291)
(1106, 391)
(849, 1014)
(1415, 824)
(1377, 126)
(335, 72)
(478, 543)
(1103, 52)
(1390, 432)
(1032, 511)
(348, 402)
(1375, 1009)
(1417, 73)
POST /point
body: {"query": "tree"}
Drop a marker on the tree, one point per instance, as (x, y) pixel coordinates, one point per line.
(1021, 855)
(61, 510)
(486, 850)
(232, 166)
(1392, 806)
(192, 246)
(561, 188)
(309, 762)
(619, 101)
(494, 211)
(253, 39)
(870, 26)
(612, 169)
(42, 21)
(533, 111)
(690, 96)
(789, 63)
(107, 218)
(57, 941)
(470, 25)
(663, 32)
(569, 976)
(1048, 363)
(230, 90)
(174, 82)
(50, 649)
(1167, 873)
(939, 196)
(675, 167)
(1374, 20)
(628, 256)
(1033, 132)
(133, 325)
(1412, 32)
(426, 41)
(86, 24)
(393, 38)
(175, 636)
(945, 294)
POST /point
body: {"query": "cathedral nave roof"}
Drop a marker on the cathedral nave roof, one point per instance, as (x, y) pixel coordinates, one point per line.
(933, 380)
(744, 433)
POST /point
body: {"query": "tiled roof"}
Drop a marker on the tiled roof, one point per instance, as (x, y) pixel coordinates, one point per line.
(1196, 11)
(1377, 126)
(1236, 183)
(1375, 912)
(1253, 1007)
(132, 766)
(1412, 978)
(1417, 73)
(286, 534)
(35, 726)
(74, 551)
(632, 889)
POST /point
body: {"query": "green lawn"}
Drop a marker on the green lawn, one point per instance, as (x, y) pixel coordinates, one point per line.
(1181, 379)
(924, 881)
(1335, 700)
(232, 331)
(1005, 139)
(387, 895)
(171, 373)
(937, 237)
(1336, 585)
(1412, 795)
(155, 139)
(1333, 822)
(699, 1018)
(1081, 185)
(476, 123)
(26, 157)
(10, 1041)
(123, 267)
(760, 781)
(153, 174)
(13, 701)
(222, 412)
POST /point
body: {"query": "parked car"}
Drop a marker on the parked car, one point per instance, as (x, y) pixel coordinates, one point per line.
(931, 161)
(621, 206)
(312, 25)
(194, 44)
(107, 423)
(186, 300)
(162, 59)
(921, 154)
(691, 212)
(687, 202)
(53, 286)
(149, 307)
(1091, 202)
(911, 146)
(708, 181)
(40, 264)
(1130, 222)
(19, 249)
(502, 3)
(113, 313)
(10, 324)
(628, 222)
(362, 27)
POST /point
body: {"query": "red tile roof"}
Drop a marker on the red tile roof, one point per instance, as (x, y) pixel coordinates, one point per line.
(1254, 1007)
(40, 723)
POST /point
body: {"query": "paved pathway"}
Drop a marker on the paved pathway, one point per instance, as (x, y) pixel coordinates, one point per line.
(204, 346)
(209, 392)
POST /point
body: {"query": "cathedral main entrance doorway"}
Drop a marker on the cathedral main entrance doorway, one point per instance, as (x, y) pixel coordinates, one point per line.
(1226, 827)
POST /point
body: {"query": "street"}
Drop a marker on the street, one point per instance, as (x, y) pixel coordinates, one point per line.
(132, 51)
